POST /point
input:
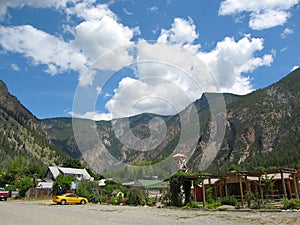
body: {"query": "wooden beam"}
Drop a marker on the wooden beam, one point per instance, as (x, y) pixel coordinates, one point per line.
(283, 184)
(225, 184)
(295, 186)
(241, 190)
(261, 190)
(203, 193)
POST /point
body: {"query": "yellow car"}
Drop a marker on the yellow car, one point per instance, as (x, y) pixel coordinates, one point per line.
(69, 198)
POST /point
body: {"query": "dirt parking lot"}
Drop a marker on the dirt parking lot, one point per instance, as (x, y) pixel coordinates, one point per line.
(46, 213)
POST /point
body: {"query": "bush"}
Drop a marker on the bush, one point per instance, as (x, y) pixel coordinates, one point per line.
(151, 201)
(291, 204)
(134, 197)
(24, 184)
(209, 195)
(229, 201)
(114, 200)
(213, 205)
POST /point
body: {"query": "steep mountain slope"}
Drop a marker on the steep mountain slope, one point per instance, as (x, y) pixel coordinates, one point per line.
(116, 138)
(263, 128)
(21, 134)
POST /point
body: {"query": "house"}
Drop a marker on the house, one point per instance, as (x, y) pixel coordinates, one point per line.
(153, 188)
(80, 174)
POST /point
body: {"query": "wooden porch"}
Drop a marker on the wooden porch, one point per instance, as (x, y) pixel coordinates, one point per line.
(264, 185)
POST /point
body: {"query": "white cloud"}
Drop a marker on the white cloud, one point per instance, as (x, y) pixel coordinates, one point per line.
(295, 67)
(287, 32)
(263, 14)
(15, 67)
(231, 59)
(133, 97)
(98, 37)
(183, 33)
(97, 116)
(268, 19)
(98, 33)
(88, 11)
(167, 82)
(5, 4)
(58, 55)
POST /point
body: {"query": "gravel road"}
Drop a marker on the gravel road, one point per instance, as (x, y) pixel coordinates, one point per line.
(46, 213)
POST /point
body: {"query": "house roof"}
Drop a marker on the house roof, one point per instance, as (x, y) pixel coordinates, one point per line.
(148, 184)
(54, 170)
(71, 171)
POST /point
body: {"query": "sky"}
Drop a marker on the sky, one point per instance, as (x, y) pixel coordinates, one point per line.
(108, 59)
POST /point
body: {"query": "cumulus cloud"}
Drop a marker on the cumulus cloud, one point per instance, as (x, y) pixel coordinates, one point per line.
(183, 33)
(231, 59)
(268, 19)
(263, 14)
(98, 37)
(88, 11)
(169, 77)
(295, 67)
(167, 82)
(58, 55)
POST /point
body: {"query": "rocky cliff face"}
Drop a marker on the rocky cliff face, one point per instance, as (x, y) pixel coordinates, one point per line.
(21, 134)
(261, 129)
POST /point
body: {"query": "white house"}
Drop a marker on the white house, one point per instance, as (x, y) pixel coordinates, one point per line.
(80, 174)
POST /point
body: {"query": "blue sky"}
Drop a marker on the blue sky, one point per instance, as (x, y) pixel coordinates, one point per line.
(108, 59)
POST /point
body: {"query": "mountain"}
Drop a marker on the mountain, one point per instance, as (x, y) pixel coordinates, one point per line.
(21, 134)
(261, 129)
(134, 140)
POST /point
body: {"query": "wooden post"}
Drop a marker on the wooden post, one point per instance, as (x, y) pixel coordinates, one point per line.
(241, 190)
(203, 192)
(195, 189)
(295, 186)
(215, 192)
(289, 188)
(248, 191)
(225, 184)
(260, 190)
(283, 184)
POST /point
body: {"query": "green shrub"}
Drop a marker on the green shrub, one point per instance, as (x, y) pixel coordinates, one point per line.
(229, 201)
(113, 200)
(291, 204)
(193, 205)
(213, 205)
(134, 197)
(209, 195)
(151, 201)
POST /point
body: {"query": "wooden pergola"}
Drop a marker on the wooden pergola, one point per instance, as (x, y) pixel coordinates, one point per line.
(249, 180)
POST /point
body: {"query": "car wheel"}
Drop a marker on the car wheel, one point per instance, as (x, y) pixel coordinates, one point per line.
(82, 202)
(63, 202)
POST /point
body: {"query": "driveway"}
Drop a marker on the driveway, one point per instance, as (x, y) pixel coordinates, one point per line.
(46, 213)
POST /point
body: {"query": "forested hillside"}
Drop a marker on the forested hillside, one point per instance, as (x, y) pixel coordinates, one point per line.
(21, 134)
